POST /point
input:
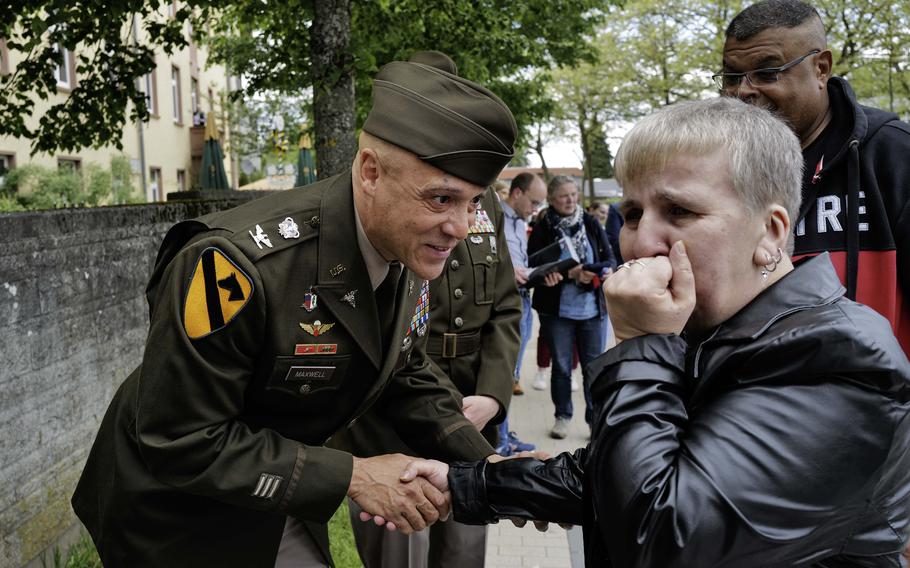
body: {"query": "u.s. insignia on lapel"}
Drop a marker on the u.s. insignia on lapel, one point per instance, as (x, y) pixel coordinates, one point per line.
(309, 301)
(316, 328)
(482, 223)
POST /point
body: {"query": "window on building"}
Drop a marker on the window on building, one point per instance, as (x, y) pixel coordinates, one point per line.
(7, 162)
(194, 95)
(63, 72)
(71, 165)
(175, 95)
(181, 180)
(150, 84)
(155, 184)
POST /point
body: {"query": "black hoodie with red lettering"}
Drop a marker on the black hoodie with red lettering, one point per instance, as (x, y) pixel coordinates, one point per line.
(856, 204)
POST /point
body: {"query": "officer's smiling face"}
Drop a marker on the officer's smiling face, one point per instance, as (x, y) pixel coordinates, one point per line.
(417, 213)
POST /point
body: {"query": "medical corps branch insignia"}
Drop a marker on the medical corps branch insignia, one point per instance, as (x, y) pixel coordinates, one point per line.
(218, 290)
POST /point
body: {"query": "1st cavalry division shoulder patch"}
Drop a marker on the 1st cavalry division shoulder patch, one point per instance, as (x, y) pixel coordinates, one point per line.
(218, 290)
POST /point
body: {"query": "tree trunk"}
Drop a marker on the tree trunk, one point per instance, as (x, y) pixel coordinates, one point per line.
(538, 147)
(333, 87)
(584, 132)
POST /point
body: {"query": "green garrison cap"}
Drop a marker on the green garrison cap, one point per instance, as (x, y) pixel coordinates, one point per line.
(449, 122)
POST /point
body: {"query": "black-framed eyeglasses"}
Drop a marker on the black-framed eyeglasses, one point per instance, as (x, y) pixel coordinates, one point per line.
(756, 77)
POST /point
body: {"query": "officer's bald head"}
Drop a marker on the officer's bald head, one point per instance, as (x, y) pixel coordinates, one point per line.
(389, 156)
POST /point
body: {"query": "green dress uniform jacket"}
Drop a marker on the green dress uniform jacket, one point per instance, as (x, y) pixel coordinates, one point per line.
(262, 345)
(475, 309)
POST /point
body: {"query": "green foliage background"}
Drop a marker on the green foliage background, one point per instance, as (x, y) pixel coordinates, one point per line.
(33, 186)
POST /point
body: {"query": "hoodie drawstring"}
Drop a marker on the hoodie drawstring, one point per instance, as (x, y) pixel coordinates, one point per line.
(852, 218)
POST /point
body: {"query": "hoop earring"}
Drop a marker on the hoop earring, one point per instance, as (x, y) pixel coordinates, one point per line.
(772, 265)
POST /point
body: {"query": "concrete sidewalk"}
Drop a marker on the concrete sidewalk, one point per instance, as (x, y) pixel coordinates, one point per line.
(531, 417)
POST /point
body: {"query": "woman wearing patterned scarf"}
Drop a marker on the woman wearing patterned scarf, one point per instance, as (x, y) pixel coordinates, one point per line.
(573, 310)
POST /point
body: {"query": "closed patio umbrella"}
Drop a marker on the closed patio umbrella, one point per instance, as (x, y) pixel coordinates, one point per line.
(306, 166)
(212, 174)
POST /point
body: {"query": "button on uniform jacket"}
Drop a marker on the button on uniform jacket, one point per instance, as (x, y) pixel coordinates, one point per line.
(264, 341)
(781, 440)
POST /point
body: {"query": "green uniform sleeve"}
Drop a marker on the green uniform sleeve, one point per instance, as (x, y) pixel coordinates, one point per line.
(189, 427)
(423, 408)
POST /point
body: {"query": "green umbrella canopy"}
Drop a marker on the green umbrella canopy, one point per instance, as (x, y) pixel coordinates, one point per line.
(212, 174)
(306, 166)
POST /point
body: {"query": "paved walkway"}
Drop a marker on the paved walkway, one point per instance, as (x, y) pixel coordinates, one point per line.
(531, 417)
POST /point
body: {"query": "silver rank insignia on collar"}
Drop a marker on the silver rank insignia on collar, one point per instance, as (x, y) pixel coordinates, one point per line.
(288, 229)
(410, 287)
(349, 298)
(260, 237)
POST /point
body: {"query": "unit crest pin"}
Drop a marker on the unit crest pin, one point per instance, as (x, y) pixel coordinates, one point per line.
(288, 229)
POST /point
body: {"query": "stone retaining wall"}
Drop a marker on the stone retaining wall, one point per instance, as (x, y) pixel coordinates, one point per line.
(73, 321)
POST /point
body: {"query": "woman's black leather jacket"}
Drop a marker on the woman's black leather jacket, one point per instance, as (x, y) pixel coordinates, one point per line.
(781, 440)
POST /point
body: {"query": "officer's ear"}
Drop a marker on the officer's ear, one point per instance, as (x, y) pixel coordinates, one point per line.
(368, 169)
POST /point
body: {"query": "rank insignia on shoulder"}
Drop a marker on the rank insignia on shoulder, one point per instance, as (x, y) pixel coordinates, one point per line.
(260, 238)
(267, 486)
(316, 328)
(482, 223)
(316, 349)
(288, 229)
(218, 290)
(309, 301)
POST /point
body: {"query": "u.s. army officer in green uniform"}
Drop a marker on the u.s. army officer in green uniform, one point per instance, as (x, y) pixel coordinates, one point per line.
(275, 325)
(473, 340)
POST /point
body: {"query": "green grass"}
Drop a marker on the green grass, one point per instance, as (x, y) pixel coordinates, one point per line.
(341, 539)
(82, 553)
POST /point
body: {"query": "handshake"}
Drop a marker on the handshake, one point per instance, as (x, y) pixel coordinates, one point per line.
(405, 493)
